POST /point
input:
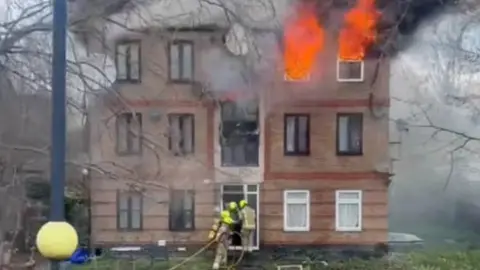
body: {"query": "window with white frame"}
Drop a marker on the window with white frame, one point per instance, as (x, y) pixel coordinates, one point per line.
(350, 70)
(296, 210)
(348, 210)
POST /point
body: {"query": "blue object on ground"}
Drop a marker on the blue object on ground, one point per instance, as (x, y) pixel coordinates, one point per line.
(80, 256)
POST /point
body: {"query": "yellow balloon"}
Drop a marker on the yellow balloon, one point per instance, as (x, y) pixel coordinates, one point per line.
(57, 240)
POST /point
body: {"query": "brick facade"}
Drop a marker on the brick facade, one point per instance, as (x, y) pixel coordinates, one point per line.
(156, 171)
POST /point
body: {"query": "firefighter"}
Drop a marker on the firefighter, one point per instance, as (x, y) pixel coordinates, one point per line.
(222, 239)
(234, 212)
(247, 215)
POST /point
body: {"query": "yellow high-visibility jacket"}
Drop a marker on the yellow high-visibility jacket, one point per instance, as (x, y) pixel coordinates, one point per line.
(248, 218)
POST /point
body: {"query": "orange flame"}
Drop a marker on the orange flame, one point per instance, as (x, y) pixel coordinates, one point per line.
(359, 31)
(303, 40)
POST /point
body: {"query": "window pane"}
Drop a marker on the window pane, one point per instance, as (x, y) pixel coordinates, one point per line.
(187, 65)
(188, 200)
(122, 61)
(290, 139)
(239, 157)
(136, 201)
(174, 62)
(348, 195)
(134, 61)
(227, 155)
(296, 215)
(291, 195)
(175, 133)
(355, 135)
(136, 219)
(187, 132)
(348, 215)
(135, 129)
(303, 134)
(232, 188)
(123, 219)
(123, 202)
(251, 153)
(343, 134)
(187, 220)
(122, 133)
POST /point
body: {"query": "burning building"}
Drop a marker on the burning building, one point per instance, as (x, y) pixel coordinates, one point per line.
(208, 109)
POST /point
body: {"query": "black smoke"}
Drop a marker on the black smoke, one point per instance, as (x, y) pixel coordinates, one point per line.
(400, 19)
(411, 13)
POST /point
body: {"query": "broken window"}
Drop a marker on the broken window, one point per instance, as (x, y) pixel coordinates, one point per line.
(350, 134)
(129, 130)
(181, 61)
(181, 139)
(239, 134)
(297, 134)
(127, 60)
(350, 71)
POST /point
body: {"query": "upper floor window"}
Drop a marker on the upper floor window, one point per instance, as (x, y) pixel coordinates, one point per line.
(129, 133)
(350, 70)
(297, 134)
(181, 61)
(181, 139)
(181, 210)
(239, 134)
(350, 134)
(127, 61)
(129, 210)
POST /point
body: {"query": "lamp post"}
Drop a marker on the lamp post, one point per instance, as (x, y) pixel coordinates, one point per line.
(57, 239)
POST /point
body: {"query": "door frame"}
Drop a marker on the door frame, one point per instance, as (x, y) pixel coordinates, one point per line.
(257, 211)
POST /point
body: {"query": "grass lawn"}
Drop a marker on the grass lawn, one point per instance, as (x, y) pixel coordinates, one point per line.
(466, 260)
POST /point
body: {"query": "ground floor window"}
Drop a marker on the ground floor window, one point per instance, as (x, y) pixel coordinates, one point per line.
(348, 210)
(296, 210)
(237, 193)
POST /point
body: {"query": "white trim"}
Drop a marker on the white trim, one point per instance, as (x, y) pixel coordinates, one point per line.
(257, 211)
(305, 201)
(362, 71)
(339, 201)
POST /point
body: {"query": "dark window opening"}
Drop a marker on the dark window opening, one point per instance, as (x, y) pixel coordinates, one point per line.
(239, 136)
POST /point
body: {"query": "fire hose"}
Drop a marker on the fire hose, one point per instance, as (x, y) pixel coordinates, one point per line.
(205, 247)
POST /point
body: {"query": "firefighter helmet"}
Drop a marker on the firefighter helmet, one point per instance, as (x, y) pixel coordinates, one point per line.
(232, 206)
(242, 204)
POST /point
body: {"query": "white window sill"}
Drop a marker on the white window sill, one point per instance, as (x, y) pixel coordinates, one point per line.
(296, 229)
(348, 229)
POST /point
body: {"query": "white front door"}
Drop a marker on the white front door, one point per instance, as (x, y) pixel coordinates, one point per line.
(236, 193)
